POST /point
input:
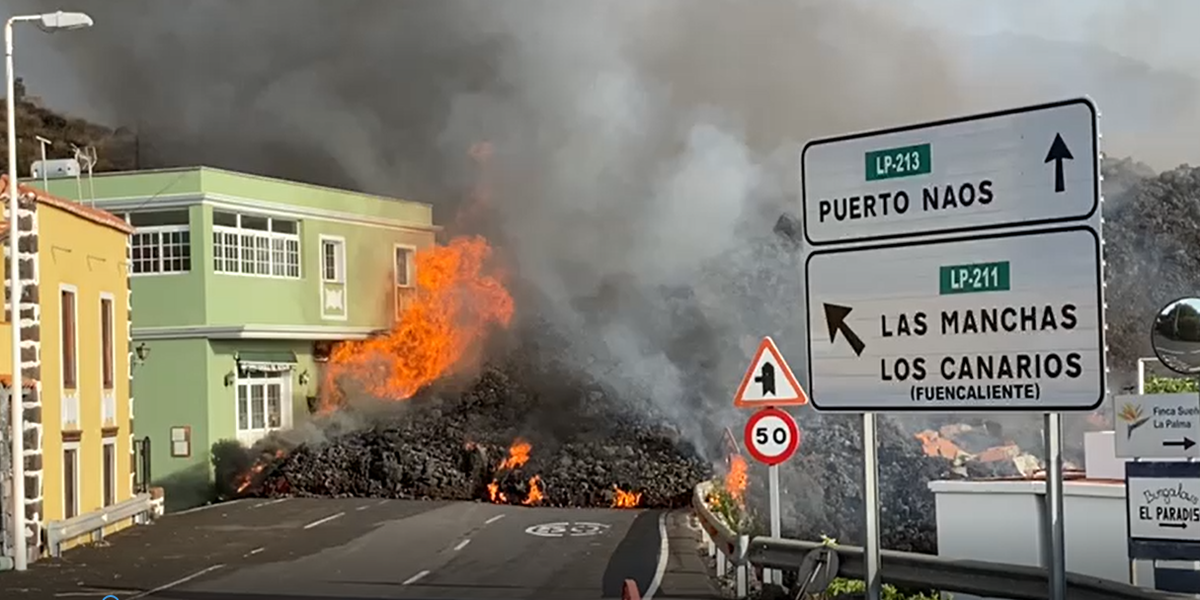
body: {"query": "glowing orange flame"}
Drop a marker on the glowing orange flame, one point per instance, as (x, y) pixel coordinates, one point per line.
(934, 444)
(248, 477)
(518, 455)
(457, 297)
(624, 499)
(494, 493)
(535, 491)
(737, 478)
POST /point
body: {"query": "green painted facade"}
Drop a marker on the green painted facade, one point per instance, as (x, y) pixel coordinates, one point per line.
(197, 323)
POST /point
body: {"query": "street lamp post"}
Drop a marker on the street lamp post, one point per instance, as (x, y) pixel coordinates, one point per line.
(55, 21)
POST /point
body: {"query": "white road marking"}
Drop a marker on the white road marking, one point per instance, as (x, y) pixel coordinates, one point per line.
(255, 551)
(269, 502)
(664, 551)
(381, 503)
(493, 519)
(93, 595)
(225, 504)
(324, 520)
(180, 581)
(462, 544)
(415, 578)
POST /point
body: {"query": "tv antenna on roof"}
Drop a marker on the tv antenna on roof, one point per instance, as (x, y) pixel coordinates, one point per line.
(87, 158)
(43, 142)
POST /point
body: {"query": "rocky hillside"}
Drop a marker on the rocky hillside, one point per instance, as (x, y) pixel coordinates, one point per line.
(116, 149)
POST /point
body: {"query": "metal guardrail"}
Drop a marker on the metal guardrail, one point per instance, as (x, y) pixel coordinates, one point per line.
(917, 571)
(59, 532)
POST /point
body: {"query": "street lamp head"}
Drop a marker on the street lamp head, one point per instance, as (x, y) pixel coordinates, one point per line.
(64, 21)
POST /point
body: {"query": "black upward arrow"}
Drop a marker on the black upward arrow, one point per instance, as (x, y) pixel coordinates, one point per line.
(1185, 443)
(835, 318)
(1058, 153)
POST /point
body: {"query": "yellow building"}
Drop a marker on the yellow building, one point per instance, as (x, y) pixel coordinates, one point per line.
(75, 311)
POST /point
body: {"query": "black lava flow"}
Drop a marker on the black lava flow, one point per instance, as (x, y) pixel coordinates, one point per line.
(582, 451)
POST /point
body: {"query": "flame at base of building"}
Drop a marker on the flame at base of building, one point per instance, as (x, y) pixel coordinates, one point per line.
(459, 295)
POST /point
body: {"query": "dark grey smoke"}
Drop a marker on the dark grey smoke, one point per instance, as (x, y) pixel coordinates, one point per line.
(644, 148)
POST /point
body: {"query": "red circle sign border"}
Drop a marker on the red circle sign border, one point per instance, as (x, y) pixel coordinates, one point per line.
(793, 428)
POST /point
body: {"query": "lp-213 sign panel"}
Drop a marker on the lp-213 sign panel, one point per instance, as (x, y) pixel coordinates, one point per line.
(1006, 321)
(1035, 165)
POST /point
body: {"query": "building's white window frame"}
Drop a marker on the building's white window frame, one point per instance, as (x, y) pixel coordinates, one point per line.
(271, 249)
(69, 408)
(338, 276)
(176, 238)
(247, 381)
(411, 265)
(108, 389)
(109, 483)
(73, 446)
(400, 292)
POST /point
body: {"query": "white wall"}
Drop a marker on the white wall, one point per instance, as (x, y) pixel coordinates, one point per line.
(1001, 521)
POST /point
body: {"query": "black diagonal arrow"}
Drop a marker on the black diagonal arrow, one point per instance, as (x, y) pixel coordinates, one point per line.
(1174, 525)
(835, 318)
(1185, 443)
(1058, 153)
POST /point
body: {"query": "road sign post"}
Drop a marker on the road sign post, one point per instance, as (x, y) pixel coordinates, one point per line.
(957, 266)
(771, 437)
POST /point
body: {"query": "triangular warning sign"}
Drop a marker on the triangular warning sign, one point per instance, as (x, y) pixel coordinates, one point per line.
(770, 381)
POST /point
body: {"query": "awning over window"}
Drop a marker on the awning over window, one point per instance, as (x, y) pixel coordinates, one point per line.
(266, 362)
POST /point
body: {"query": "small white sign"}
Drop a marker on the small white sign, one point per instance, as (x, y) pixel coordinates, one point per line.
(1025, 166)
(1157, 425)
(1164, 508)
(1009, 321)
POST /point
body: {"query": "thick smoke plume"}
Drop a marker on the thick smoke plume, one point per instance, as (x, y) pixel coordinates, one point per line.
(643, 148)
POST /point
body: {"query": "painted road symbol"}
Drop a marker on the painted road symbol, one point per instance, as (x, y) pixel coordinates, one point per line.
(772, 436)
(567, 529)
(769, 381)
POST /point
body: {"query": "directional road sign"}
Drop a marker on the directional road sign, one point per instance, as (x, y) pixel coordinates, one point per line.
(1157, 425)
(769, 380)
(772, 436)
(1163, 509)
(1035, 165)
(1003, 321)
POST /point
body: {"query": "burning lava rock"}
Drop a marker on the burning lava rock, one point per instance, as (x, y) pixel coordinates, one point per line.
(498, 443)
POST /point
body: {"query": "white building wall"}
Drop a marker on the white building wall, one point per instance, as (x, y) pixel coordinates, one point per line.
(1002, 521)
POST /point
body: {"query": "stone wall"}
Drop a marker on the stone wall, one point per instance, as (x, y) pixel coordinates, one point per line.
(30, 324)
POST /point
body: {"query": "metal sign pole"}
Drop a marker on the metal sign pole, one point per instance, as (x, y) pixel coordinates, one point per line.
(1055, 533)
(874, 580)
(771, 575)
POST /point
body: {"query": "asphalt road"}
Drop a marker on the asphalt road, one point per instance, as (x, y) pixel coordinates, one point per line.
(321, 549)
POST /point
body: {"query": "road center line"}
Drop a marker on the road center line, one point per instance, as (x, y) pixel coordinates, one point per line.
(325, 520)
(255, 551)
(268, 503)
(493, 519)
(180, 581)
(363, 507)
(462, 544)
(415, 578)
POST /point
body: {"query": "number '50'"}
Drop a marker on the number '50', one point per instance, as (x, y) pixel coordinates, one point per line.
(763, 435)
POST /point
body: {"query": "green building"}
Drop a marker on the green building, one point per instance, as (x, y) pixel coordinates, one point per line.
(240, 284)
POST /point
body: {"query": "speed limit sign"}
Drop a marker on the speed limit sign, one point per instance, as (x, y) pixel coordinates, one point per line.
(772, 436)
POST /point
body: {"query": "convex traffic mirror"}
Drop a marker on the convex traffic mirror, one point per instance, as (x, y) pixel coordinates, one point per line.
(1175, 336)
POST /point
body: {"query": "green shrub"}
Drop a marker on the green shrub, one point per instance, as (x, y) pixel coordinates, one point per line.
(1169, 385)
(854, 587)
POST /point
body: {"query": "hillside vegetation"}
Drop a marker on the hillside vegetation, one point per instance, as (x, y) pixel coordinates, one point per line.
(115, 149)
